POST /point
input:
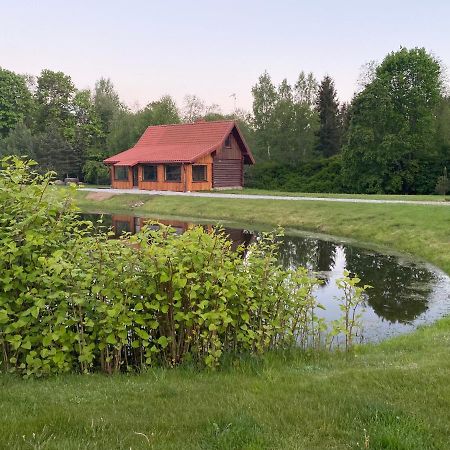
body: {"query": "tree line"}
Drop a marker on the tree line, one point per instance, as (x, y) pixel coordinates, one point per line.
(392, 137)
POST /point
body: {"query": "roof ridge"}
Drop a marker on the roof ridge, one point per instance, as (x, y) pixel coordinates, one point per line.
(192, 123)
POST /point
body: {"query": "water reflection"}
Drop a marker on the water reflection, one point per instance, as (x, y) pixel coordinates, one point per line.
(400, 291)
(404, 294)
(315, 254)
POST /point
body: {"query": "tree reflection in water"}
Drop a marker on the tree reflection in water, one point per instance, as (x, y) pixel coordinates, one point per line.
(399, 291)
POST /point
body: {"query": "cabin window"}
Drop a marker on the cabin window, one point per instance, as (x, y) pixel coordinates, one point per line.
(150, 173)
(121, 173)
(121, 227)
(199, 173)
(173, 172)
(228, 141)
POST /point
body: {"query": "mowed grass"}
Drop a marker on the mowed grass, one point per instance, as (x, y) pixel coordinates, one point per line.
(394, 395)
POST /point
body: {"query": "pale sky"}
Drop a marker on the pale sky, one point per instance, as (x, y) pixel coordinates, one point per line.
(210, 48)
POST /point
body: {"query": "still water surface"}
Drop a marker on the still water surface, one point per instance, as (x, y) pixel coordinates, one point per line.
(405, 293)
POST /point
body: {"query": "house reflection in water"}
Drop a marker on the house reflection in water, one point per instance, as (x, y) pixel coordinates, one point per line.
(131, 224)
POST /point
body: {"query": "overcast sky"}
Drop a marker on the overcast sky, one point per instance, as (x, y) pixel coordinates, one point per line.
(213, 49)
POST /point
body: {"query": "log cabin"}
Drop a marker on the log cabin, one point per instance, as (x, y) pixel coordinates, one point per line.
(197, 156)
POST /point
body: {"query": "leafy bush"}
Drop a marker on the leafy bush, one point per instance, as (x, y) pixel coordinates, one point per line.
(443, 183)
(72, 299)
(325, 175)
(322, 175)
(95, 172)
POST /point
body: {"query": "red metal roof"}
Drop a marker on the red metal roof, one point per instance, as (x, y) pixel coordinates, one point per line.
(180, 143)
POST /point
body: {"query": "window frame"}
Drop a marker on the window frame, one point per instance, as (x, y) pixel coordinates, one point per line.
(165, 173)
(227, 143)
(116, 178)
(144, 166)
(205, 172)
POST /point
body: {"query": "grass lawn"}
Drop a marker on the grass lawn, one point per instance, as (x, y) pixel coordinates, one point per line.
(394, 395)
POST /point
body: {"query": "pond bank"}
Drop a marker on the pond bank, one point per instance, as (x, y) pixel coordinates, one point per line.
(420, 230)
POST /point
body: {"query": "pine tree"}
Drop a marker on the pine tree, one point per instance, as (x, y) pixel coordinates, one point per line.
(329, 134)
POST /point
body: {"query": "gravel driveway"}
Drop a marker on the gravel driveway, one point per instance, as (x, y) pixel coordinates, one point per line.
(263, 197)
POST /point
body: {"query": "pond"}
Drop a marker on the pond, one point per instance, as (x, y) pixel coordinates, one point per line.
(405, 293)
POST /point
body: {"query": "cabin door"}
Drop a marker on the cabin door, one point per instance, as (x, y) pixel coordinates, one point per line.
(135, 176)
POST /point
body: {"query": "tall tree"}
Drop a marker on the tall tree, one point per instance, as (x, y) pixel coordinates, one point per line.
(443, 128)
(88, 134)
(264, 101)
(161, 112)
(305, 90)
(55, 153)
(284, 147)
(54, 98)
(106, 103)
(393, 124)
(194, 108)
(284, 119)
(306, 115)
(329, 129)
(15, 101)
(344, 120)
(20, 141)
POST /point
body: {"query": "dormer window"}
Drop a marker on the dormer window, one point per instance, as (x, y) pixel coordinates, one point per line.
(228, 141)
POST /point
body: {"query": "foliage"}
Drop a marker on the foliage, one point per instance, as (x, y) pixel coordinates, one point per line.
(443, 183)
(395, 132)
(284, 119)
(352, 299)
(194, 108)
(107, 104)
(73, 299)
(20, 142)
(55, 153)
(15, 101)
(320, 175)
(95, 172)
(87, 133)
(54, 97)
(329, 132)
(161, 112)
(393, 124)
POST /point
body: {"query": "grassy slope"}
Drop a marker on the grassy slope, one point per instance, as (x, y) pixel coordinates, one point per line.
(396, 394)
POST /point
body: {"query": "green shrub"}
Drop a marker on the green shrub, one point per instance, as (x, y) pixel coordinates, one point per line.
(322, 175)
(95, 172)
(72, 299)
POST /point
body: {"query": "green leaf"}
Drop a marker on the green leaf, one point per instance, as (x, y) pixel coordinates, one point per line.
(163, 341)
